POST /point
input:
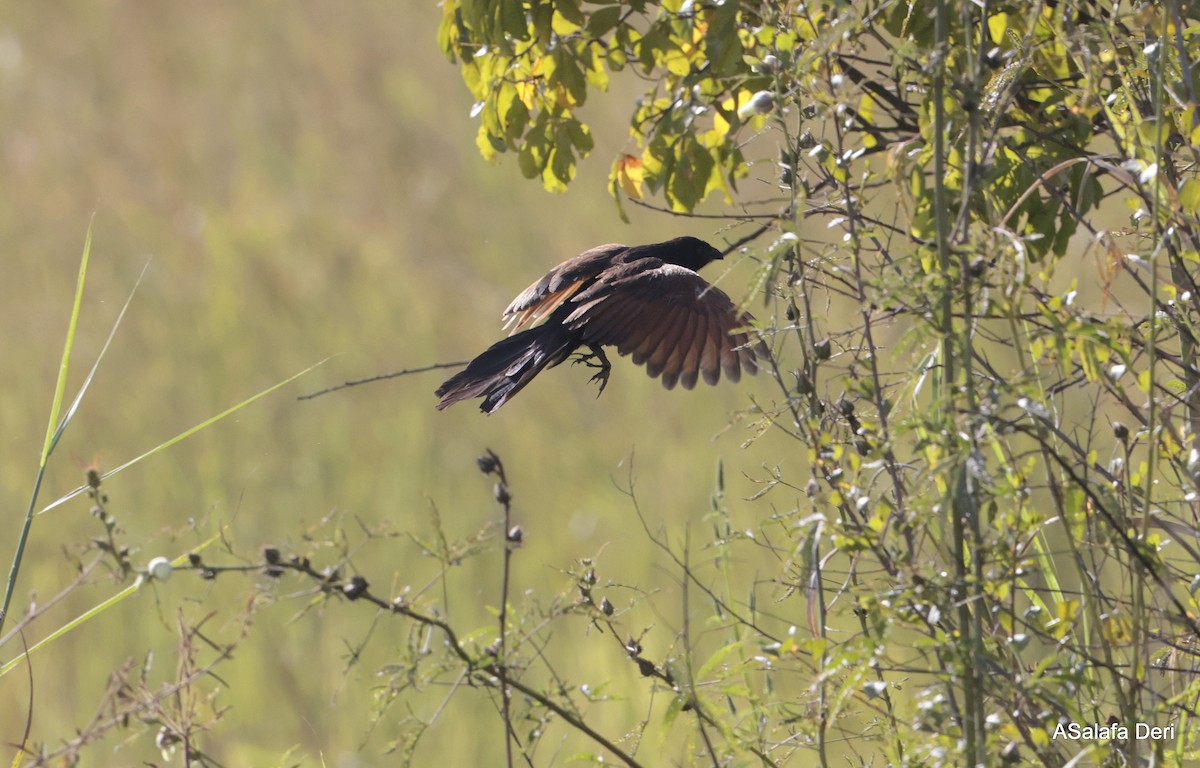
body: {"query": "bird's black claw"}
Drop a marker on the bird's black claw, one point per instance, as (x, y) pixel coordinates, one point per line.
(602, 378)
(596, 359)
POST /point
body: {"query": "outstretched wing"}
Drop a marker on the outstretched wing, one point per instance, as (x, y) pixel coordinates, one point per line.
(669, 319)
(559, 285)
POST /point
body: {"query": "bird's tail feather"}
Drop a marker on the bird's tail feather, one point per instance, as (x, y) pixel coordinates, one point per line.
(508, 365)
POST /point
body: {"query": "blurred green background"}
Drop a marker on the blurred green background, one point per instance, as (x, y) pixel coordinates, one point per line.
(303, 180)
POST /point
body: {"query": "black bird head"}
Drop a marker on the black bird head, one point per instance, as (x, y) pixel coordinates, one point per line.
(688, 252)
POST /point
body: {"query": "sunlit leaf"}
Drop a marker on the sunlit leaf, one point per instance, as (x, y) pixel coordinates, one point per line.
(1189, 196)
(627, 171)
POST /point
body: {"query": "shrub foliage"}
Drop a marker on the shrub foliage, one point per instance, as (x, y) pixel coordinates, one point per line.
(976, 224)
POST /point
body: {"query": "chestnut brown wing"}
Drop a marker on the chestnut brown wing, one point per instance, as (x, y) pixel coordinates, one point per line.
(670, 320)
(559, 284)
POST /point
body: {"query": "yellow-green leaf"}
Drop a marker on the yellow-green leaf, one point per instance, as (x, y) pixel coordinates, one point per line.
(1189, 196)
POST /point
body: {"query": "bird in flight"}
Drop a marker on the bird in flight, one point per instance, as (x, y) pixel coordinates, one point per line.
(645, 300)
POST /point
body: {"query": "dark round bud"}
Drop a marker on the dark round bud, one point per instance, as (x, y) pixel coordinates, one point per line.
(845, 406)
(274, 571)
(270, 555)
(355, 588)
(607, 607)
(823, 349)
(516, 534)
(194, 559)
(208, 574)
(977, 267)
(1120, 431)
(165, 738)
(486, 464)
(500, 491)
(804, 384)
(1011, 754)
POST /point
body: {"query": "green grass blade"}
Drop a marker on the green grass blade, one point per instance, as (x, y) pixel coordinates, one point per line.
(87, 382)
(182, 436)
(52, 430)
(183, 559)
(102, 607)
(77, 621)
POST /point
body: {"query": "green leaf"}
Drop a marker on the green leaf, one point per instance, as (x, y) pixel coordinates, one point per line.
(512, 19)
(581, 137)
(562, 166)
(997, 26)
(1189, 196)
(514, 116)
(527, 161)
(570, 74)
(488, 143)
(543, 21)
(673, 709)
(569, 9)
(650, 47)
(676, 62)
(724, 48)
(603, 20)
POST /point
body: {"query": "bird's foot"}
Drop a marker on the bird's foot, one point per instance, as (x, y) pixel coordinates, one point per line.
(596, 359)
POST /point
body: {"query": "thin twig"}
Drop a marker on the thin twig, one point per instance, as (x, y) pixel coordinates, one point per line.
(383, 377)
(482, 670)
(491, 464)
(693, 697)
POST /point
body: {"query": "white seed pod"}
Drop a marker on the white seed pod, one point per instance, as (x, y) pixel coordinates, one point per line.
(160, 568)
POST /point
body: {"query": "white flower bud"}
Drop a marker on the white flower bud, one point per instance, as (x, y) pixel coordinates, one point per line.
(160, 568)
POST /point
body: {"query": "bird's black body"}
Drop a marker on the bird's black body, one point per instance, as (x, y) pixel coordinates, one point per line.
(646, 300)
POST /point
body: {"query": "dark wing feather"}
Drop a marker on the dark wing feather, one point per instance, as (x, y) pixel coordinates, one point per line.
(559, 285)
(691, 361)
(657, 346)
(669, 319)
(710, 360)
